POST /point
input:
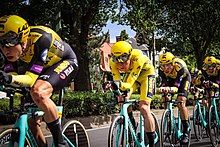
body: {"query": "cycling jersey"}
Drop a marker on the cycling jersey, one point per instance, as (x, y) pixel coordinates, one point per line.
(140, 73)
(179, 79)
(46, 57)
(214, 77)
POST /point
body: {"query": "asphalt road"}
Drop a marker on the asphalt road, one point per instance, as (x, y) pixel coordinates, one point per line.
(99, 138)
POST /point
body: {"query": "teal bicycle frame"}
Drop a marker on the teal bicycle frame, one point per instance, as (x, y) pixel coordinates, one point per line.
(215, 138)
(21, 125)
(175, 122)
(139, 140)
(174, 133)
(202, 112)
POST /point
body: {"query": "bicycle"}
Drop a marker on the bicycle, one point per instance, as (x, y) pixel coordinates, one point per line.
(171, 133)
(123, 134)
(214, 121)
(20, 134)
(200, 123)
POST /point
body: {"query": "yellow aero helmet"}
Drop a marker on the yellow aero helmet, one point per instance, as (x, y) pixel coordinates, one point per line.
(210, 60)
(13, 29)
(120, 48)
(166, 58)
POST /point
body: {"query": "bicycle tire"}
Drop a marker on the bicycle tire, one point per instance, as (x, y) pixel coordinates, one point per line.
(157, 129)
(116, 132)
(76, 133)
(12, 135)
(166, 132)
(189, 133)
(214, 130)
(197, 124)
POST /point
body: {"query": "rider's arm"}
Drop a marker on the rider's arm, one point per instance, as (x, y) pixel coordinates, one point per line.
(178, 79)
(28, 79)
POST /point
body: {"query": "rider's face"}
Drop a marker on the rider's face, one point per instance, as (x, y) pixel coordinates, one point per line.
(167, 68)
(12, 53)
(123, 66)
(211, 70)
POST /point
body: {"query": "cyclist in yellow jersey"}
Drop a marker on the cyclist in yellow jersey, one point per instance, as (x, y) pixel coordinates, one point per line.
(38, 58)
(197, 88)
(138, 71)
(211, 72)
(176, 79)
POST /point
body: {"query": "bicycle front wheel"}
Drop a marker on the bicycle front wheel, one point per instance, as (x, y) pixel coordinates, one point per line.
(74, 132)
(116, 136)
(166, 130)
(12, 135)
(157, 131)
(197, 124)
(214, 128)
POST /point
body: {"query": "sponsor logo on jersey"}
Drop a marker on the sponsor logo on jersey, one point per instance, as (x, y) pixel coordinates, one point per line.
(61, 67)
(37, 68)
(68, 70)
(44, 77)
(62, 76)
(44, 54)
(58, 45)
(8, 67)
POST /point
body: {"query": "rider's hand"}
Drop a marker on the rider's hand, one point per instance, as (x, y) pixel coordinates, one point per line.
(208, 84)
(116, 85)
(192, 89)
(5, 77)
(164, 90)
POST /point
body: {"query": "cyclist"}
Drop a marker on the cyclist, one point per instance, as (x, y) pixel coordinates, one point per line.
(138, 72)
(211, 72)
(175, 78)
(196, 87)
(37, 57)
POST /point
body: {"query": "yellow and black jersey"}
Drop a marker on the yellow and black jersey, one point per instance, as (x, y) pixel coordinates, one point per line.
(179, 72)
(199, 81)
(44, 49)
(140, 67)
(215, 77)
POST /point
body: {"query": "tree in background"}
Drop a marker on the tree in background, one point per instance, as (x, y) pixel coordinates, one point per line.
(181, 27)
(81, 19)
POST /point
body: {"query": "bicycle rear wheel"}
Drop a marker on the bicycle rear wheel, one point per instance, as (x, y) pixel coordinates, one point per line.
(75, 133)
(197, 124)
(12, 135)
(166, 132)
(214, 128)
(116, 136)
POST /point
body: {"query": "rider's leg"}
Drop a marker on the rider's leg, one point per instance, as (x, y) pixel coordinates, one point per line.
(34, 125)
(149, 123)
(184, 116)
(41, 93)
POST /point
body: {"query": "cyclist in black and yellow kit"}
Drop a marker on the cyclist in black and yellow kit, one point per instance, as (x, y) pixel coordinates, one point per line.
(138, 71)
(211, 72)
(197, 88)
(176, 79)
(38, 58)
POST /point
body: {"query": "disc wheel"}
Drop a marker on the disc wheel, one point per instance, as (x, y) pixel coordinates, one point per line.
(75, 133)
(12, 135)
